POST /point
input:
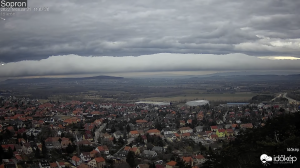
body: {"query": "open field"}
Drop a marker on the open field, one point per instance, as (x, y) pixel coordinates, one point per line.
(210, 97)
(111, 89)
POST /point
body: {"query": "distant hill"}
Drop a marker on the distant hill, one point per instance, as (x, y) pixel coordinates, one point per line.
(247, 77)
(49, 80)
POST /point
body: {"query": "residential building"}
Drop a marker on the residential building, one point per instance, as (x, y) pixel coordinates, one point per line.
(220, 133)
(98, 162)
(44, 164)
(185, 130)
(76, 161)
(153, 132)
(171, 164)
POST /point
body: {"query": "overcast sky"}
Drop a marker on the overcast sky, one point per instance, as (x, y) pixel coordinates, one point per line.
(110, 36)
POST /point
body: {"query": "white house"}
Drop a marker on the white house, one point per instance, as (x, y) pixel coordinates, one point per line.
(167, 131)
(44, 164)
(118, 135)
(185, 130)
(85, 156)
(76, 161)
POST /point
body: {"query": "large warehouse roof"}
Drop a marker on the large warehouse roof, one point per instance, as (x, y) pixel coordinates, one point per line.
(197, 103)
(154, 103)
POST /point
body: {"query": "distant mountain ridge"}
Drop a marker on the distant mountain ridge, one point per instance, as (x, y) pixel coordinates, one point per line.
(250, 77)
(42, 80)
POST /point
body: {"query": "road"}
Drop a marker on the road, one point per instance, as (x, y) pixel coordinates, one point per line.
(284, 95)
(224, 117)
(120, 149)
(290, 99)
(98, 132)
(278, 96)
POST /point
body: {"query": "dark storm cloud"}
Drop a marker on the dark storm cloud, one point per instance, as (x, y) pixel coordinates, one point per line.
(134, 28)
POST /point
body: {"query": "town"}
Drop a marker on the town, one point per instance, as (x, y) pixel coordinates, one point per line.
(79, 134)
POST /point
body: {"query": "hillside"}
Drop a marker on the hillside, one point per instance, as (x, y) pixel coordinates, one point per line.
(246, 150)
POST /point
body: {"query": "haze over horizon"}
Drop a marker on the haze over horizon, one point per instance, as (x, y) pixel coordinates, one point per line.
(151, 37)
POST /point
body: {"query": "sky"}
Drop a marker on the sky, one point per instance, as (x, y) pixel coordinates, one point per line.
(76, 37)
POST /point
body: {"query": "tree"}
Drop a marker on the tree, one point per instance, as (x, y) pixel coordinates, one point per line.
(158, 126)
(169, 149)
(152, 165)
(1, 153)
(121, 141)
(130, 159)
(121, 127)
(37, 153)
(194, 123)
(10, 153)
(113, 129)
(25, 136)
(189, 149)
(70, 148)
(180, 162)
(128, 128)
(276, 136)
(59, 140)
(44, 149)
(140, 139)
(31, 136)
(7, 134)
(125, 135)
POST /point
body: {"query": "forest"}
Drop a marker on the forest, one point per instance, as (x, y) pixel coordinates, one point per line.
(275, 138)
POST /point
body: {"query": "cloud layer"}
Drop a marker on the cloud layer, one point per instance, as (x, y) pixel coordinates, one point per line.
(74, 64)
(144, 27)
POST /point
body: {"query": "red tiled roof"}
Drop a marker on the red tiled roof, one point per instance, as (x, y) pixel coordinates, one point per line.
(102, 148)
(214, 136)
(229, 130)
(172, 163)
(75, 158)
(134, 149)
(93, 152)
(153, 131)
(207, 132)
(199, 157)
(221, 130)
(248, 125)
(53, 165)
(99, 159)
(141, 121)
(186, 134)
(127, 148)
(185, 128)
(187, 159)
(18, 157)
(134, 132)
